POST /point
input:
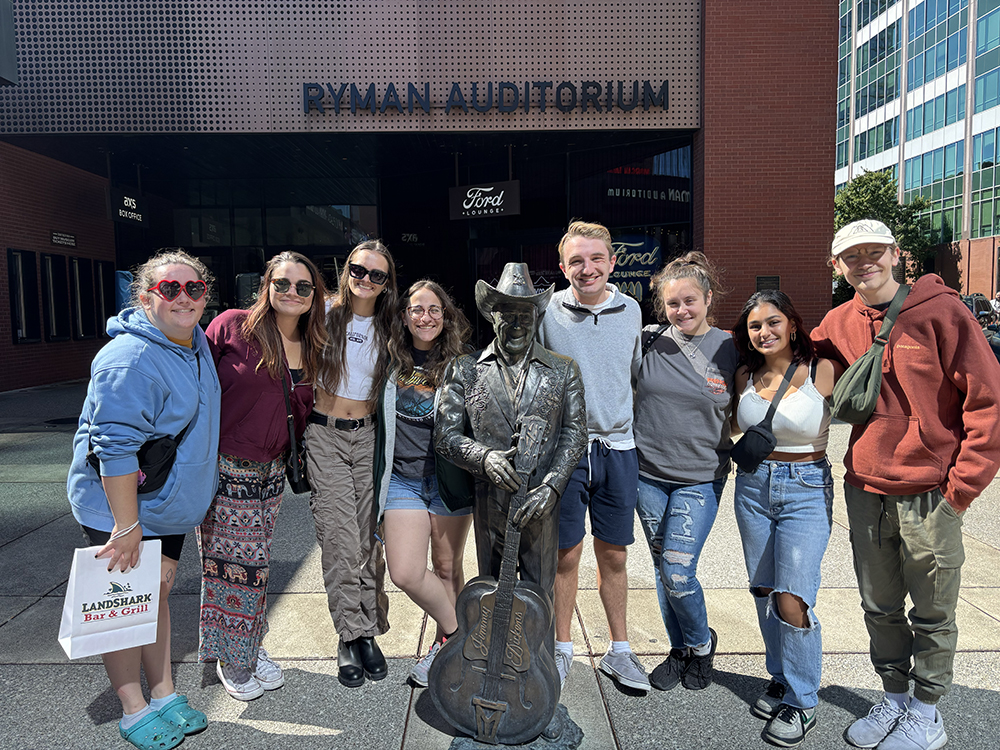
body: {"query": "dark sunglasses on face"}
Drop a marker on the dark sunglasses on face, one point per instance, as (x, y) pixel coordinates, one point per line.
(359, 272)
(302, 288)
(170, 289)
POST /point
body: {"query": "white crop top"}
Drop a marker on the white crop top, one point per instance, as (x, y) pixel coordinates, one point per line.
(359, 360)
(801, 421)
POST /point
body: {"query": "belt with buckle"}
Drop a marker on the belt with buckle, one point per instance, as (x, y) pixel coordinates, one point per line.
(347, 425)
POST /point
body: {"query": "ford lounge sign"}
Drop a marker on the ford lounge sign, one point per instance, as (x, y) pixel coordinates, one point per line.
(491, 199)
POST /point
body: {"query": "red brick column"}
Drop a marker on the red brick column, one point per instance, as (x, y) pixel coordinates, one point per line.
(764, 158)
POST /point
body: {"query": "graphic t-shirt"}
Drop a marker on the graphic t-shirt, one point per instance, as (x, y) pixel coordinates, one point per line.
(414, 452)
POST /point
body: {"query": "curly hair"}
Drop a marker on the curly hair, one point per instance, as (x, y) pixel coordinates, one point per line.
(144, 274)
(261, 326)
(331, 367)
(803, 351)
(451, 342)
(693, 265)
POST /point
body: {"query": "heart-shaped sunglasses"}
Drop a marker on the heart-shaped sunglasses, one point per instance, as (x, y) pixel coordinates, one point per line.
(170, 289)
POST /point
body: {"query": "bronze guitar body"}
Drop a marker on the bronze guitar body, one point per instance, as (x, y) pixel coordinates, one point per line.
(496, 679)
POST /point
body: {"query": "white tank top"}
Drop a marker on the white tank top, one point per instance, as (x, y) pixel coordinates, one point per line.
(359, 360)
(801, 422)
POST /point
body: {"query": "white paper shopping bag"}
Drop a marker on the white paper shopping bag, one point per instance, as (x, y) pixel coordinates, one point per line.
(109, 611)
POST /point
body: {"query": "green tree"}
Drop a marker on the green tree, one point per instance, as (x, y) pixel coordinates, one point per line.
(872, 195)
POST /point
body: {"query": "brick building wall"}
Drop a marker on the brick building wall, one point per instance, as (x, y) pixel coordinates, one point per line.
(39, 196)
(763, 159)
(977, 264)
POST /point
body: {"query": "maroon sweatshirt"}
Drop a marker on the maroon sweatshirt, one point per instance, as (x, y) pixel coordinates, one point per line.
(937, 417)
(254, 422)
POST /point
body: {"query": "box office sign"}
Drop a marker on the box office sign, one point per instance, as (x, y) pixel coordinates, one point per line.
(126, 206)
(490, 199)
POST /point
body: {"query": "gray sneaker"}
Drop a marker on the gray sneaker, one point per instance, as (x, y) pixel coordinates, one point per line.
(423, 667)
(625, 669)
(767, 704)
(870, 730)
(790, 726)
(563, 662)
(914, 731)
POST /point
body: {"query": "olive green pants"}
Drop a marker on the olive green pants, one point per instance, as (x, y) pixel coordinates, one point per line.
(908, 544)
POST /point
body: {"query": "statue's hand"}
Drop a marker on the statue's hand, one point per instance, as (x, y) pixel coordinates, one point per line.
(540, 501)
(500, 471)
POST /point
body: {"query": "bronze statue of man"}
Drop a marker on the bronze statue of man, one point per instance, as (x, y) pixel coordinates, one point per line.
(510, 414)
(484, 396)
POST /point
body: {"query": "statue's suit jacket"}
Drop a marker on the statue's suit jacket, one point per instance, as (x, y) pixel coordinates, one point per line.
(477, 414)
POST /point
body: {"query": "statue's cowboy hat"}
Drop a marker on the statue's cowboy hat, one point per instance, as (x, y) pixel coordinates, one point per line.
(514, 287)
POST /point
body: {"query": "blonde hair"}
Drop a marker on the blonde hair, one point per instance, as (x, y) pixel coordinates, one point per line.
(588, 231)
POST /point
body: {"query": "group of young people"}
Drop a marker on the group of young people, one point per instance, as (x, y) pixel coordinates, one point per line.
(357, 376)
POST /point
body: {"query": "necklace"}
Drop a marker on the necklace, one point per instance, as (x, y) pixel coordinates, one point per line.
(686, 347)
(771, 388)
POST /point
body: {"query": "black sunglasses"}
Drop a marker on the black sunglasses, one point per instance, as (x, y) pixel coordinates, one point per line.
(302, 288)
(170, 290)
(359, 272)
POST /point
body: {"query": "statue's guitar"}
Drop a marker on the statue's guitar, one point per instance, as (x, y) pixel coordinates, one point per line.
(496, 679)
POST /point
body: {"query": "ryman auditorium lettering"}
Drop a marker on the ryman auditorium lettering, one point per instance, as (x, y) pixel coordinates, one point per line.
(484, 97)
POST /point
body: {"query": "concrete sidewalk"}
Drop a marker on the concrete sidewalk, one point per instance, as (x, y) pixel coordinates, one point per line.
(50, 702)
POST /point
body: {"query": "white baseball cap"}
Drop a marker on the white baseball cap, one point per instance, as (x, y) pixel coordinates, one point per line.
(863, 232)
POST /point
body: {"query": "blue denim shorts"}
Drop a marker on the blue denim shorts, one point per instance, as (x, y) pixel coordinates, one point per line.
(416, 493)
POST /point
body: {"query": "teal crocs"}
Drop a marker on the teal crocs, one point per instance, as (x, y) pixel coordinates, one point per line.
(152, 733)
(182, 716)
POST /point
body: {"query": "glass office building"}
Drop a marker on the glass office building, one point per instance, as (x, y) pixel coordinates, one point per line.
(919, 94)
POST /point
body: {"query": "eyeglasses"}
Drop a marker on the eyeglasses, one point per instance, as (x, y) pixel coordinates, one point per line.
(358, 272)
(416, 313)
(170, 289)
(302, 288)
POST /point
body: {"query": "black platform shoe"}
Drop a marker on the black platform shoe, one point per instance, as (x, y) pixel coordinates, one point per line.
(351, 671)
(371, 658)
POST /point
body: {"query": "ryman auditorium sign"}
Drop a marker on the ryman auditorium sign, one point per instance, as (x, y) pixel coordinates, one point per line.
(483, 97)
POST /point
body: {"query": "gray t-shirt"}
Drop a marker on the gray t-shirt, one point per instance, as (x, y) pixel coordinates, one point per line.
(413, 456)
(683, 401)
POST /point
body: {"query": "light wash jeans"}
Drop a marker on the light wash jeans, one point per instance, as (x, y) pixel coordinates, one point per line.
(784, 512)
(676, 519)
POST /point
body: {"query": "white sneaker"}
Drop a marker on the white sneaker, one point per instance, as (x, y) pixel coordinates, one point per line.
(268, 673)
(238, 682)
(870, 730)
(563, 662)
(915, 731)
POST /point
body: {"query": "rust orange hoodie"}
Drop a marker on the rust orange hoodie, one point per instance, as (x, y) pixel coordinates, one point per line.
(937, 422)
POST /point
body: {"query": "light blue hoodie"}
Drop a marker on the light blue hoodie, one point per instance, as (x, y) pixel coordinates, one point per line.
(142, 387)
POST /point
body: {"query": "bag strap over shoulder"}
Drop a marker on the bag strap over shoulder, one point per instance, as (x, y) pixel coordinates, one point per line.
(779, 393)
(890, 316)
(653, 337)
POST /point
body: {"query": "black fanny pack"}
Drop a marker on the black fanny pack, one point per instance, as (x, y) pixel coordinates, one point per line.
(156, 459)
(758, 441)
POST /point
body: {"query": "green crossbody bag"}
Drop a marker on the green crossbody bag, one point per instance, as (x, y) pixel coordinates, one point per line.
(856, 393)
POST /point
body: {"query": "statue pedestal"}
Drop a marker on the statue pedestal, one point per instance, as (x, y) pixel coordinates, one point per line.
(568, 736)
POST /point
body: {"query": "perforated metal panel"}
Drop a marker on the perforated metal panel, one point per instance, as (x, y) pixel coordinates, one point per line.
(163, 66)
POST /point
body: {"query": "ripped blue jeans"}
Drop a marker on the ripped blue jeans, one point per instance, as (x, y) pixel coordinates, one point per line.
(784, 512)
(676, 519)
